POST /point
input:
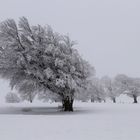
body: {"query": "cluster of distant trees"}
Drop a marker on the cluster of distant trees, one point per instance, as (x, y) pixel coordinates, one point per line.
(107, 87)
(40, 62)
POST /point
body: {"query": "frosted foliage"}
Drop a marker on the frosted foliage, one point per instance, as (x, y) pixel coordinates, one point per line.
(111, 87)
(60, 83)
(129, 85)
(72, 69)
(49, 96)
(50, 48)
(36, 59)
(59, 63)
(48, 73)
(96, 90)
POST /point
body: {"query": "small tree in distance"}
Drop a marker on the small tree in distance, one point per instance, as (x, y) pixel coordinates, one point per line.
(36, 59)
(96, 91)
(130, 86)
(12, 98)
(111, 88)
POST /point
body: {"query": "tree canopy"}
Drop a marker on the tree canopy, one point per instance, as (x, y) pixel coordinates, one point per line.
(37, 59)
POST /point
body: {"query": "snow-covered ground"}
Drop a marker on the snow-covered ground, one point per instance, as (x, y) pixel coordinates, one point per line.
(89, 121)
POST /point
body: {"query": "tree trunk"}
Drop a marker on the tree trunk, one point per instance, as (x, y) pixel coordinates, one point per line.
(104, 100)
(135, 99)
(31, 101)
(67, 104)
(30, 98)
(114, 100)
(99, 99)
(92, 100)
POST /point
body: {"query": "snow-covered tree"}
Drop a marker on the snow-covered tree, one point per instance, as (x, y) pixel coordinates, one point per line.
(36, 59)
(96, 90)
(84, 92)
(111, 87)
(129, 85)
(29, 96)
(12, 98)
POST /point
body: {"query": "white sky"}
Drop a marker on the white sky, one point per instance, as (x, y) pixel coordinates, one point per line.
(108, 31)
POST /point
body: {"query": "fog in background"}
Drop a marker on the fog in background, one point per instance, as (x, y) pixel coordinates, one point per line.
(107, 31)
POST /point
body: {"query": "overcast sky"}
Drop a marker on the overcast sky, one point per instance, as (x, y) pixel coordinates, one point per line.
(107, 31)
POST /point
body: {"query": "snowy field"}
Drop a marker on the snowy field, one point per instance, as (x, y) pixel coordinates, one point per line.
(89, 121)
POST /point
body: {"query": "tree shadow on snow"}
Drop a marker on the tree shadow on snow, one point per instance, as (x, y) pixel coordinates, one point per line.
(43, 111)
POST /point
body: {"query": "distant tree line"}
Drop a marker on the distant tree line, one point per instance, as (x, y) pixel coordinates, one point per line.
(107, 87)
